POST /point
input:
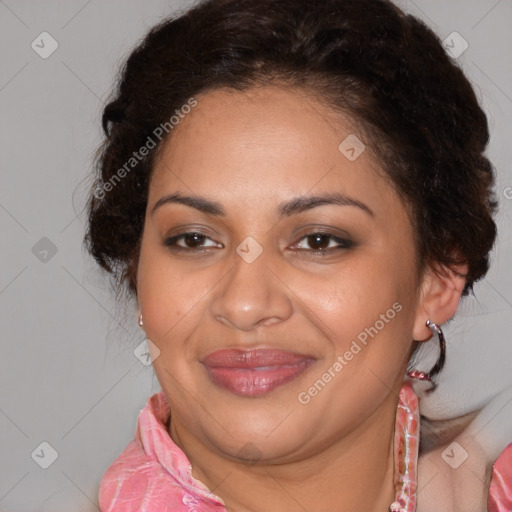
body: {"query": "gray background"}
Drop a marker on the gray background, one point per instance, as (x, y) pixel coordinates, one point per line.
(68, 374)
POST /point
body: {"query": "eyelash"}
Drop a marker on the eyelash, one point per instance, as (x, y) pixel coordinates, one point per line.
(344, 243)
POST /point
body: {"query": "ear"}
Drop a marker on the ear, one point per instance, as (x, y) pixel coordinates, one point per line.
(440, 294)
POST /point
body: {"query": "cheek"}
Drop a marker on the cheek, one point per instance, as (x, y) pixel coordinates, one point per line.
(171, 296)
(160, 291)
(366, 311)
(354, 297)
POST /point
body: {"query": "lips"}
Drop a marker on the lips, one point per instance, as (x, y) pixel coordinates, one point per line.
(254, 372)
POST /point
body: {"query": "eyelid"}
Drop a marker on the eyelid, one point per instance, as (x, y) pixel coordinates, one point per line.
(343, 242)
(181, 235)
(313, 229)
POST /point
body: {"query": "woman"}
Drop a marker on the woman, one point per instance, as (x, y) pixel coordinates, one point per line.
(293, 192)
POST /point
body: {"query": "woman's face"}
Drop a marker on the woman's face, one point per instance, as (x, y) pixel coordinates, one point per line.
(330, 286)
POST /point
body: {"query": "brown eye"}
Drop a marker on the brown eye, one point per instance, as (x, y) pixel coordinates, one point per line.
(318, 241)
(189, 241)
(193, 240)
(323, 242)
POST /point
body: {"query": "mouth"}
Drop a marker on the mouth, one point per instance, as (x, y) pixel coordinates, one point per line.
(254, 372)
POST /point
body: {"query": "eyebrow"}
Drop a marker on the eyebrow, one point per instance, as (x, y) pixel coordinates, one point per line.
(285, 209)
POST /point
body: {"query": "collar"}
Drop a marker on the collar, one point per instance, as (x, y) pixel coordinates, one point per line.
(158, 444)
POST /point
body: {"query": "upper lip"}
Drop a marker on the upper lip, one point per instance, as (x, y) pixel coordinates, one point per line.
(252, 358)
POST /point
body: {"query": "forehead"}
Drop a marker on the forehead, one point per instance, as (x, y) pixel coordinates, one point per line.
(268, 141)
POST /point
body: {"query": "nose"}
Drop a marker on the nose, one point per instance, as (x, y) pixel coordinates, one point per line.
(252, 294)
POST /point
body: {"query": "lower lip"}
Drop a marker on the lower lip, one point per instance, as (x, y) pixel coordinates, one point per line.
(256, 381)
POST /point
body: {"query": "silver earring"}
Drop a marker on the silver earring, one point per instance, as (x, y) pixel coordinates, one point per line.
(429, 376)
(141, 323)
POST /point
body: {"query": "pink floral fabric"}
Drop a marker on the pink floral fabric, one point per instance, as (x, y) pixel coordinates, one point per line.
(153, 474)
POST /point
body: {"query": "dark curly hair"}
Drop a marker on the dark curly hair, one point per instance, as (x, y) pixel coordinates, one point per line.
(387, 70)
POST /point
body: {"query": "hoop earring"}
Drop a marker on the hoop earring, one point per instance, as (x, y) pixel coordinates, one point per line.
(141, 323)
(429, 376)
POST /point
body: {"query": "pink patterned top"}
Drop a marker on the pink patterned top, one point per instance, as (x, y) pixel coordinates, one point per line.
(153, 474)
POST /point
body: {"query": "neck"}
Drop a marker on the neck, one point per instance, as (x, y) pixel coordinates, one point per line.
(354, 473)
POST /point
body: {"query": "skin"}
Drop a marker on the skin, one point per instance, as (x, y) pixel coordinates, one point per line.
(250, 151)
